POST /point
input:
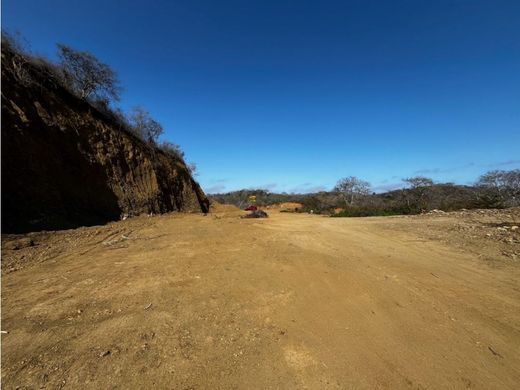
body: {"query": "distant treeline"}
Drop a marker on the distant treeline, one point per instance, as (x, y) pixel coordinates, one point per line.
(89, 79)
(352, 196)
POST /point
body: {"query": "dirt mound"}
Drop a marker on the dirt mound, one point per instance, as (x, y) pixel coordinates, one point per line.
(256, 214)
(65, 164)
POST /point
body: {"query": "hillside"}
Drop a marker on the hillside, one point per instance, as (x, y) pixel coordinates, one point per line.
(65, 164)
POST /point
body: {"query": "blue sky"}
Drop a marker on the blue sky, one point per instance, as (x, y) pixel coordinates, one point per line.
(293, 95)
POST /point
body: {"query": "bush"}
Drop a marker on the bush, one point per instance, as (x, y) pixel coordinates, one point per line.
(172, 149)
(115, 115)
(366, 212)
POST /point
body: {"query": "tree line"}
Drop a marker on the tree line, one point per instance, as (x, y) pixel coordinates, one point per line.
(493, 189)
(353, 196)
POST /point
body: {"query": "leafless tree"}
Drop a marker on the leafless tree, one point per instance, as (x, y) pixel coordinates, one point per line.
(144, 126)
(86, 75)
(416, 197)
(500, 187)
(418, 181)
(352, 187)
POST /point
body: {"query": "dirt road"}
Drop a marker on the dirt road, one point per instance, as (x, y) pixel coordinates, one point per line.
(288, 302)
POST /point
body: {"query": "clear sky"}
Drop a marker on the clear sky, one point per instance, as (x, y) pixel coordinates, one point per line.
(293, 95)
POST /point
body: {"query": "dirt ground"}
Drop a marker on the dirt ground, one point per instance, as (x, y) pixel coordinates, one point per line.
(289, 302)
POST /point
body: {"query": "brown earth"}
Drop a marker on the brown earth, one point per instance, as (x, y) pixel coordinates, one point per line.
(286, 206)
(293, 301)
(65, 164)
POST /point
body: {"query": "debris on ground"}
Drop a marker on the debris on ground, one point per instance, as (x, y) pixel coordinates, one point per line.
(257, 214)
(492, 234)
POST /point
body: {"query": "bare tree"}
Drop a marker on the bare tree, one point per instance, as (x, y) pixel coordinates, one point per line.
(416, 197)
(352, 187)
(500, 188)
(144, 126)
(418, 181)
(86, 75)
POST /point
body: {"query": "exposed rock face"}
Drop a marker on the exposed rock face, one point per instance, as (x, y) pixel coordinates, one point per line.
(64, 164)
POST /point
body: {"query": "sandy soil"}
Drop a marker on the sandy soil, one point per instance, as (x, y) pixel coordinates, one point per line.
(289, 302)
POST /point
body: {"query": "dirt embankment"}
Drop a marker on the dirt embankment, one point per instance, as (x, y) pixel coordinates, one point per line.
(64, 164)
(293, 301)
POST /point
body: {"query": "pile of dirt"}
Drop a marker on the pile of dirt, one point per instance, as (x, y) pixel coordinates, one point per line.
(65, 164)
(256, 214)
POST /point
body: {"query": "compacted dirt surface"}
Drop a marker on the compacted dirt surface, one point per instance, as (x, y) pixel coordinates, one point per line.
(292, 301)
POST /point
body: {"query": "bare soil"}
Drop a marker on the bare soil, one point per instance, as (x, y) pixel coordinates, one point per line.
(289, 302)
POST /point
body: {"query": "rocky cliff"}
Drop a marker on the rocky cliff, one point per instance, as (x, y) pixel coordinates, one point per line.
(65, 164)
